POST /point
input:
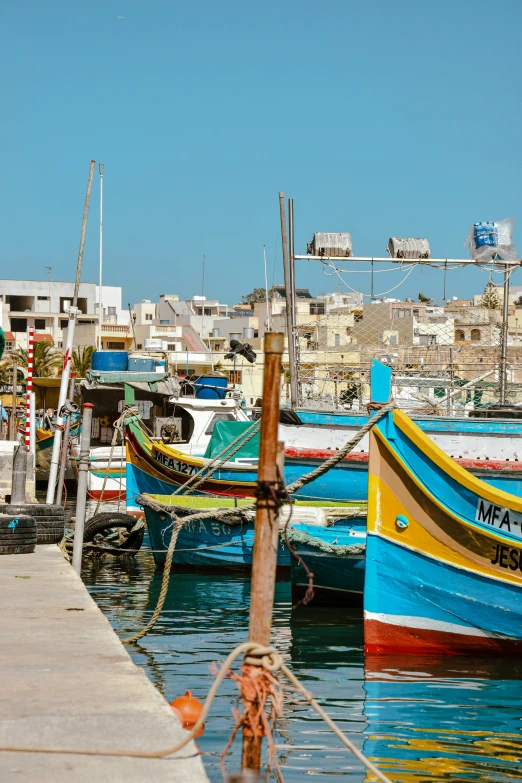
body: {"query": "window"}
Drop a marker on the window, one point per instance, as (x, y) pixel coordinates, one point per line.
(171, 346)
(208, 311)
(139, 346)
(64, 324)
(39, 323)
(392, 339)
(148, 316)
(316, 308)
(475, 335)
(337, 339)
(428, 339)
(116, 346)
(19, 324)
(459, 335)
(43, 298)
(234, 376)
(218, 417)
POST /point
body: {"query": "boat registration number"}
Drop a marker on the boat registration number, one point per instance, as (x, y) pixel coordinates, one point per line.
(499, 517)
(174, 464)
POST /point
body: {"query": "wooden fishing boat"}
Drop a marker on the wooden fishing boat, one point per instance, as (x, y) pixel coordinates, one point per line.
(222, 543)
(159, 469)
(44, 439)
(443, 554)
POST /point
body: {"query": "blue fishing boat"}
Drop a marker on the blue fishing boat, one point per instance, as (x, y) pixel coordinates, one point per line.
(335, 555)
(443, 554)
(221, 543)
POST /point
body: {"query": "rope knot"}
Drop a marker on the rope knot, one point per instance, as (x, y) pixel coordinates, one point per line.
(267, 657)
(272, 492)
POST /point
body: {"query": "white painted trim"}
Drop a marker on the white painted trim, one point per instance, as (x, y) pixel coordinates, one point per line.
(425, 623)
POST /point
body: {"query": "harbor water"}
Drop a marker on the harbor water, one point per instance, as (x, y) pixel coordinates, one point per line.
(428, 719)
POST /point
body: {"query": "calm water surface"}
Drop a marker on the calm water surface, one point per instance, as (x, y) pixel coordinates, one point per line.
(422, 720)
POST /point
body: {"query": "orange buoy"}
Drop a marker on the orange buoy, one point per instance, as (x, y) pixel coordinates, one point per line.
(189, 707)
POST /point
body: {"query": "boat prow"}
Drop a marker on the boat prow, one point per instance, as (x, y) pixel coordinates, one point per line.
(444, 552)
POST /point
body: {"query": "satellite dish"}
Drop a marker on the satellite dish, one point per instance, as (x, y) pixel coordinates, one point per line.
(241, 349)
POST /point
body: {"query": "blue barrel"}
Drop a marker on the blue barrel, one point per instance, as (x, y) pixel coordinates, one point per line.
(141, 364)
(211, 387)
(110, 361)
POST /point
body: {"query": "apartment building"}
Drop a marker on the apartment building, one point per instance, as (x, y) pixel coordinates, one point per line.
(44, 305)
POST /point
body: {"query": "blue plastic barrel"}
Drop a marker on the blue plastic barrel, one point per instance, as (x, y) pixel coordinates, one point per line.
(211, 387)
(110, 361)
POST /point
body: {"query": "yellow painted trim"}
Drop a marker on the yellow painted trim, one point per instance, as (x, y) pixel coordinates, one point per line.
(497, 496)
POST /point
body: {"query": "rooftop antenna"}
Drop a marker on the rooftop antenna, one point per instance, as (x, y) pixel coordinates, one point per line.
(203, 277)
(49, 270)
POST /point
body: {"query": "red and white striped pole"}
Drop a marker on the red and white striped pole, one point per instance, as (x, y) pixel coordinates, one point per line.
(30, 358)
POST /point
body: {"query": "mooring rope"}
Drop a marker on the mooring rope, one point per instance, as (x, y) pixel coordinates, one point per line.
(220, 459)
(255, 655)
(341, 454)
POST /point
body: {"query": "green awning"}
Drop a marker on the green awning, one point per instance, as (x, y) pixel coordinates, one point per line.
(225, 432)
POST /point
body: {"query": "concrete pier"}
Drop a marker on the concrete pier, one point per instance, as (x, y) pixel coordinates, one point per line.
(66, 681)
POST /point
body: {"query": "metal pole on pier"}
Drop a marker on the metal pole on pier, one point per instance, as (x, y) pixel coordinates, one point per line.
(57, 442)
(14, 396)
(81, 497)
(65, 445)
(288, 294)
(504, 343)
(266, 526)
(29, 387)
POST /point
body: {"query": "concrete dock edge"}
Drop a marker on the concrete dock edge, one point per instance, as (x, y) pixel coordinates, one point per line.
(66, 680)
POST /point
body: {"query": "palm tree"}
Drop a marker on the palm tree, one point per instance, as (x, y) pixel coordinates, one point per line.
(82, 360)
(5, 375)
(46, 359)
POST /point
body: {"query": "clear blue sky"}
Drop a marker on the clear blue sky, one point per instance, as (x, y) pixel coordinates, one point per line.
(379, 118)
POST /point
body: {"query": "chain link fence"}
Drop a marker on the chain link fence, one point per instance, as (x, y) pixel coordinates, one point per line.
(435, 347)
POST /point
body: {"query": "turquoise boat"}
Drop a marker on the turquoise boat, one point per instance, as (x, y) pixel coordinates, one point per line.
(211, 543)
(443, 554)
(335, 555)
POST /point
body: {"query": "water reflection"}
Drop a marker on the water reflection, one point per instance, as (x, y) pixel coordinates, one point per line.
(422, 720)
(444, 719)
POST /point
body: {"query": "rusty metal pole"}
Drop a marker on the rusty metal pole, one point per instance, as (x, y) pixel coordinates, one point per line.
(288, 293)
(266, 527)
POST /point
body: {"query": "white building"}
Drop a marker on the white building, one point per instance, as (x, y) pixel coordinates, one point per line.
(45, 305)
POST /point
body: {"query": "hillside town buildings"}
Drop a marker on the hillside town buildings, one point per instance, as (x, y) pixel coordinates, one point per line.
(337, 333)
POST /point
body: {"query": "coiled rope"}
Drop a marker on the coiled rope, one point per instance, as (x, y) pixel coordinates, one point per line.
(256, 655)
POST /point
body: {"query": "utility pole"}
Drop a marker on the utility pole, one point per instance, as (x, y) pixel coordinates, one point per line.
(266, 527)
(101, 169)
(288, 295)
(64, 384)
